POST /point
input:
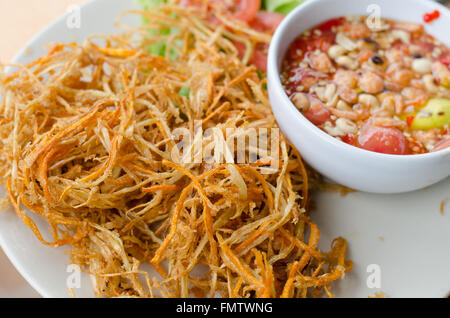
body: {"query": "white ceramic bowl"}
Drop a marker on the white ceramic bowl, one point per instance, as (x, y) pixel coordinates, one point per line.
(351, 166)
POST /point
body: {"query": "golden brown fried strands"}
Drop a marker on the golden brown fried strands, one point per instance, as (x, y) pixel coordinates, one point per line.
(86, 144)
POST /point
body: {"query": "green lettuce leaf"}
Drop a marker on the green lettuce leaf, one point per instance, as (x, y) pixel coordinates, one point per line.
(158, 49)
(147, 4)
(281, 6)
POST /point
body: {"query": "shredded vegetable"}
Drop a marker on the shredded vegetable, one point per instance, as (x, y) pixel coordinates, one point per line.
(87, 143)
(282, 6)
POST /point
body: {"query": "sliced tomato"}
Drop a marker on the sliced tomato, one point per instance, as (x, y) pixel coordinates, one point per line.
(383, 140)
(445, 58)
(266, 21)
(259, 60)
(425, 42)
(196, 4)
(323, 42)
(445, 61)
(240, 47)
(317, 113)
(301, 46)
(328, 25)
(297, 50)
(349, 139)
(247, 9)
(443, 144)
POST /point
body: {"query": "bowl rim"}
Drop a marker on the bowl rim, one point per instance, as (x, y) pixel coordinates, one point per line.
(273, 74)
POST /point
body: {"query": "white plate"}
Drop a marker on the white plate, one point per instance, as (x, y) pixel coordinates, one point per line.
(405, 235)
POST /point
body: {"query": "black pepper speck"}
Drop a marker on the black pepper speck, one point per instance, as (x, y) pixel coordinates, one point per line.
(377, 60)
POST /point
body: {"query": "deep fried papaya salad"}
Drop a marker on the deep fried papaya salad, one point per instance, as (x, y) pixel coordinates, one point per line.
(260, 16)
(383, 88)
(88, 136)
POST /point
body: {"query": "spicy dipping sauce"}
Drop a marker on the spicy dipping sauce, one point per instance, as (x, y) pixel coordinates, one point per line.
(383, 87)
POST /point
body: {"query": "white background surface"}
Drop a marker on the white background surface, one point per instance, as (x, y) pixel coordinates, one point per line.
(31, 16)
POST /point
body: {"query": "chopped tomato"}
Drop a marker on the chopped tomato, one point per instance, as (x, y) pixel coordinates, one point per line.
(323, 42)
(317, 113)
(240, 47)
(244, 10)
(383, 140)
(259, 58)
(199, 4)
(401, 46)
(297, 50)
(425, 42)
(266, 21)
(301, 46)
(301, 76)
(349, 139)
(247, 9)
(445, 60)
(443, 144)
(328, 25)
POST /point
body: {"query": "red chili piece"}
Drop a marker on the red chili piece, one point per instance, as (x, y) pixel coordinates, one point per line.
(429, 17)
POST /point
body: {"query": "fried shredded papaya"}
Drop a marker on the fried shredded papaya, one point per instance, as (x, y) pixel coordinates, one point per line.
(89, 144)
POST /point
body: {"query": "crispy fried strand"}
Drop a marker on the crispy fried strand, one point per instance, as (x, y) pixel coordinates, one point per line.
(103, 143)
